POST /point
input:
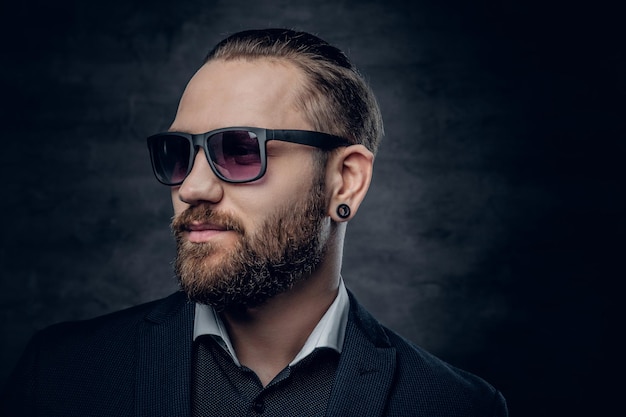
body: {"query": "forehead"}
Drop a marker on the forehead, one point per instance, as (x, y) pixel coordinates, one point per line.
(258, 92)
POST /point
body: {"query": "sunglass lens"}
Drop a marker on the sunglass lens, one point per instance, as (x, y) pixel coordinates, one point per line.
(170, 158)
(236, 154)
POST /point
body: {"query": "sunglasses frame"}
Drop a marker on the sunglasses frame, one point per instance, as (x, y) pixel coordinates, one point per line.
(319, 140)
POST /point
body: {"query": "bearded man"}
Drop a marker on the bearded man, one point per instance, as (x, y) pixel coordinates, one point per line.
(269, 156)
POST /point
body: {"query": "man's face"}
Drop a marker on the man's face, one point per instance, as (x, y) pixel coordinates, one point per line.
(240, 244)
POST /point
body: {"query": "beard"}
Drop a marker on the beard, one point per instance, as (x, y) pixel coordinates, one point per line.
(285, 249)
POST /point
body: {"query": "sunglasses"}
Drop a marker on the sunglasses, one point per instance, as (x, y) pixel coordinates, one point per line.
(235, 154)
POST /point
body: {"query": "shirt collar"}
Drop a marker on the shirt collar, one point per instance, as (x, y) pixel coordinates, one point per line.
(328, 333)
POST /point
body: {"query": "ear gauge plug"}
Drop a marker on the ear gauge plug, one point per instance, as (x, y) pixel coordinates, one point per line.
(343, 211)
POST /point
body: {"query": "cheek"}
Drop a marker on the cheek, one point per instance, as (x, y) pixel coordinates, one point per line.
(178, 205)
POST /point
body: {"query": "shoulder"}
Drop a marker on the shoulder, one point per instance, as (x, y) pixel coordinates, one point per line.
(425, 382)
(93, 362)
(440, 385)
(107, 340)
(121, 324)
(415, 362)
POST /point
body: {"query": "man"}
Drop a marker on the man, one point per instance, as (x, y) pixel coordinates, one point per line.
(270, 154)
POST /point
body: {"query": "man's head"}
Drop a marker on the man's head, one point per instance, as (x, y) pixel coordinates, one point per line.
(242, 238)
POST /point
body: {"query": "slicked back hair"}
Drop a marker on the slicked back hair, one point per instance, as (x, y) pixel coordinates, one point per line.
(335, 98)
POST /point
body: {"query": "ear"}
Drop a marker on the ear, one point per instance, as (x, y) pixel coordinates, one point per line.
(348, 177)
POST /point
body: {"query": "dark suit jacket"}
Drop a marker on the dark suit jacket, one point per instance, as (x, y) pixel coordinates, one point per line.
(136, 362)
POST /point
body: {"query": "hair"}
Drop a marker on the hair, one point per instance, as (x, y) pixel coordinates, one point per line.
(335, 99)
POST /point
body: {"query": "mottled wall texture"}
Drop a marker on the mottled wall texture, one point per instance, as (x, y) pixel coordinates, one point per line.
(494, 223)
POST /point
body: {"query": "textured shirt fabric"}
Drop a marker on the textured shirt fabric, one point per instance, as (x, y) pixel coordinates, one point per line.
(220, 388)
(328, 333)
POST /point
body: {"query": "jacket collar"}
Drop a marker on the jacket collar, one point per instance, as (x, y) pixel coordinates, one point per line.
(366, 367)
(364, 374)
(164, 359)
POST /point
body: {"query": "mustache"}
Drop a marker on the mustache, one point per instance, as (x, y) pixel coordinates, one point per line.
(204, 214)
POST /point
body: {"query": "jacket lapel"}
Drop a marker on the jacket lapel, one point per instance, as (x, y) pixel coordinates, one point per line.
(364, 374)
(164, 359)
(366, 368)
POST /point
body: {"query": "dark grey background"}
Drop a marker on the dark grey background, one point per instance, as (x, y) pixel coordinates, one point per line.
(494, 224)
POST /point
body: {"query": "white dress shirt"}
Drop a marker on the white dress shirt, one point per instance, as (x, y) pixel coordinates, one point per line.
(329, 331)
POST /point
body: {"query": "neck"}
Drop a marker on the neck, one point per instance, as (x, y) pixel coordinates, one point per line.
(267, 338)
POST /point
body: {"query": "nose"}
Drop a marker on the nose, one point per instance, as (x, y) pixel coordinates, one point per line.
(201, 185)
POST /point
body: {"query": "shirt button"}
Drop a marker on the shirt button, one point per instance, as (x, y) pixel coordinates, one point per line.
(258, 406)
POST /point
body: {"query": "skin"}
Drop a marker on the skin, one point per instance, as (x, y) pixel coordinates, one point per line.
(262, 93)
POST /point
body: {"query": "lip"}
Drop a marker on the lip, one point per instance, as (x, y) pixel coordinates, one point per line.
(203, 232)
(199, 227)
